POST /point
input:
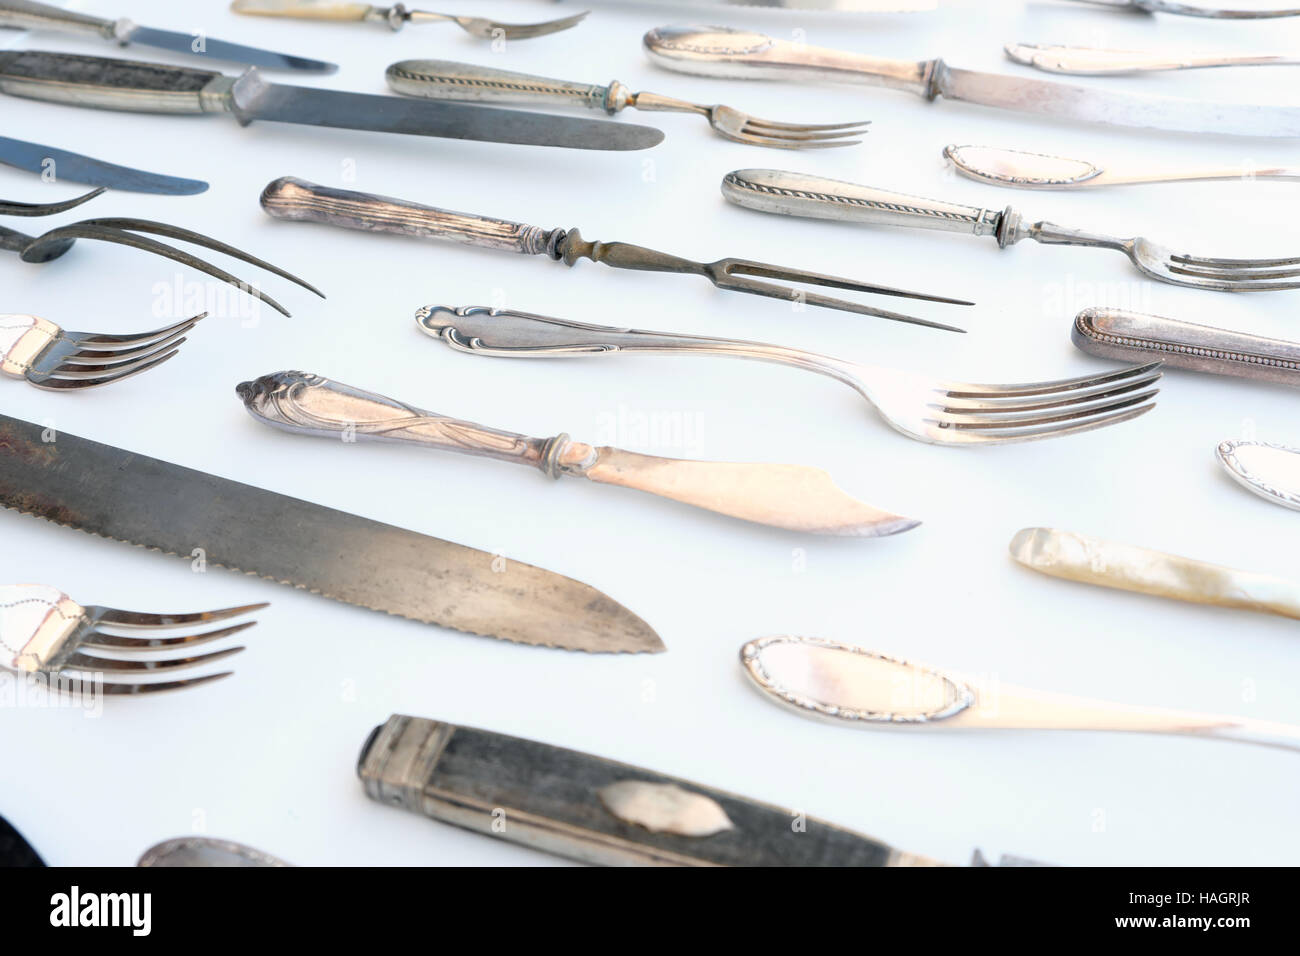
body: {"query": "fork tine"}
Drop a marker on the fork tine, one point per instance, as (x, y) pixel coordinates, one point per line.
(981, 422)
(804, 127)
(132, 619)
(1232, 263)
(85, 662)
(800, 135)
(970, 390)
(1235, 275)
(113, 359)
(121, 642)
(47, 208)
(768, 271)
(81, 371)
(961, 406)
(743, 284)
(100, 340)
(1051, 431)
(524, 31)
(790, 143)
(54, 383)
(156, 686)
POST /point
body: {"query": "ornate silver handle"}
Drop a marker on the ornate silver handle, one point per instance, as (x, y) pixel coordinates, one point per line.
(26, 15)
(294, 199)
(794, 194)
(1091, 61)
(719, 51)
(448, 80)
(313, 405)
(113, 84)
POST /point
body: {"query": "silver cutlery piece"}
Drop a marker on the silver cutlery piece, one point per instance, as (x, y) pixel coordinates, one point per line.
(1079, 557)
(137, 234)
(783, 496)
(397, 16)
(804, 6)
(928, 409)
(300, 201)
(60, 165)
(45, 632)
(1213, 9)
(1136, 337)
(50, 357)
(795, 194)
(850, 685)
(1096, 61)
(448, 80)
(135, 87)
(741, 54)
(1024, 170)
(198, 851)
(27, 15)
(595, 810)
(1270, 471)
(34, 209)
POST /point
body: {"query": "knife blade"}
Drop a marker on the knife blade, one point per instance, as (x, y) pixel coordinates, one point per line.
(783, 496)
(61, 164)
(161, 506)
(28, 15)
(1270, 471)
(721, 51)
(134, 86)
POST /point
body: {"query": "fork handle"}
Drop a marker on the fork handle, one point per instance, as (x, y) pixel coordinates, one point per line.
(449, 80)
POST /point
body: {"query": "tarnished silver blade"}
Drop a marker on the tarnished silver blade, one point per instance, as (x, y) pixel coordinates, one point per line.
(228, 52)
(784, 496)
(1093, 105)
(75, 168)
(401, 114)
(154, 504)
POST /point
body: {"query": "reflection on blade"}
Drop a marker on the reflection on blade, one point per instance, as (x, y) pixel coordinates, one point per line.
(211, 49)
(60, 164)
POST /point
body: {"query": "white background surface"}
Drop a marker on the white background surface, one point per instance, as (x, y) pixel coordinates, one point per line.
(267, 756)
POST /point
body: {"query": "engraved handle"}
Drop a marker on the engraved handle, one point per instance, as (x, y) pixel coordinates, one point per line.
(1091, 61)
(26, 15)
(448, 80)
(793, 194)
(294, 199)
(718, 51)
(304, 9)
(112, 84)
(35, 621)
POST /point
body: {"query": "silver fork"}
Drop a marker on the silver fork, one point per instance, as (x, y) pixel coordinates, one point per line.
(930, 410)
(448, 80)
(397, 16)
(43, 631)
(794, 194)
(50, 357)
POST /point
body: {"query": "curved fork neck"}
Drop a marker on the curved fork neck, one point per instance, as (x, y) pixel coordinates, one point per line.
(13, 240)
(1049, 233)
(653, 102)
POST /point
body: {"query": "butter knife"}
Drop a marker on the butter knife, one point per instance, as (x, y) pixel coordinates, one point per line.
(1099, 61)
(1270, 471)
(1078, 557)
(1136, 336)
(720, 51)
(794, 497)
(856, 687)
(1025, 170)
(594, 810)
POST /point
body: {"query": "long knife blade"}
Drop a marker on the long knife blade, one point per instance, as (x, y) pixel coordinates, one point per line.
(254, 98)
(61, 164)
(154, 504)
(210, 49)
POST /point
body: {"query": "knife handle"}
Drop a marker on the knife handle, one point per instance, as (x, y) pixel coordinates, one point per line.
(449, 80)
(304, 9)
(26, 15)
(108, 83)
(294, 199)
(811, 197)
(309, 404)
(741, 54)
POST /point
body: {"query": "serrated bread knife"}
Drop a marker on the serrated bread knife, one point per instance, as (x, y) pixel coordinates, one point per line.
(157, 505)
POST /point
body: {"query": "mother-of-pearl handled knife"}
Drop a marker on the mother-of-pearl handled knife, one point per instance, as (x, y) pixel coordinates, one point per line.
(1026, 170)
(857, 687)
(1078, 557)
(1270, 471)
(785, 496)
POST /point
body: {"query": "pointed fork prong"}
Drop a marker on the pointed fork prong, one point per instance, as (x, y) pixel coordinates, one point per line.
(62, 380)
(952, 435)
(158, 686)
(756, 122)
(134, 619)
(971, 390)
(47, 208)
(1044, 414)
(792, 142)
(103, 341)
(803, 136)
(981, 408)
(734, 267)
(121, 642)
(85, 662)
(100, 360)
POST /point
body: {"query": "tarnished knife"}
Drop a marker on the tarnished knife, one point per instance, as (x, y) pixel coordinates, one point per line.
(28, 15)
(154, 504)
(61, 165)
(742, 54)
(136, 87)
(795, 497)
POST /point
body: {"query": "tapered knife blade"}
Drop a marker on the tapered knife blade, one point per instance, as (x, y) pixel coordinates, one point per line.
(62, 165)
(154, 504)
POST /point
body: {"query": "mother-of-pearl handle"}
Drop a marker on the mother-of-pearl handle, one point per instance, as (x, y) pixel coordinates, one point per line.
(22, 339)
(35, 621)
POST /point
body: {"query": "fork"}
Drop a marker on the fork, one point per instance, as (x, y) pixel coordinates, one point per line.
(43, 631)
(50, 357)
(794, 194)
(397, 16)
(447, 80)
(930, 410)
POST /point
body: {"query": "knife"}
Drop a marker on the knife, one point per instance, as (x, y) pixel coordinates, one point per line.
(157, 505)
(27, 15)
(60, 164)
(137, 87)
(784, 496)
(594, 810)
(1078, 557)
(720, 51)
(1270, 471)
